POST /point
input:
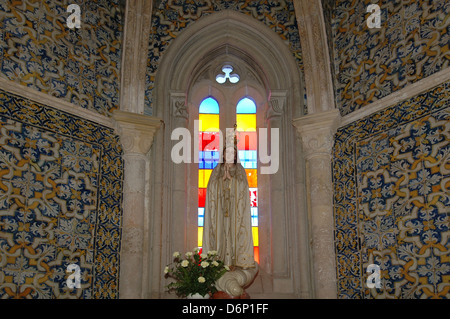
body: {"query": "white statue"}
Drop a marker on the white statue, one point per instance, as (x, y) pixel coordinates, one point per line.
(227, 225)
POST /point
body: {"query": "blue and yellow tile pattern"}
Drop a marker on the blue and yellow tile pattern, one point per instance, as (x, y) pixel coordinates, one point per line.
(411, 44)
(81, 66)
(60, 203)
(391, 174)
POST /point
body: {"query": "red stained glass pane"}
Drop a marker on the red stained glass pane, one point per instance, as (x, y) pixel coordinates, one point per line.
(247, 141)
(256, 253)
(209, 141)
(201, 197)
(253, 197)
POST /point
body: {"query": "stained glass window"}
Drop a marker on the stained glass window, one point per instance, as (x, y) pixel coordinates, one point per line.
(246, 106)
(208, 154)
(247, 152)
(209, 106)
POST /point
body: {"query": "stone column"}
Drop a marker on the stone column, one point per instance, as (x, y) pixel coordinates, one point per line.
(313, 40)
(138, 15)
(179, 176)
(280, 210)
(136, 133)
(317, 134)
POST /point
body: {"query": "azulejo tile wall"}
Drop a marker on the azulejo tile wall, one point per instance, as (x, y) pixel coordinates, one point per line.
(369, 64)
(391, 175)
(170, 17)
(60, 203)
(82, 66)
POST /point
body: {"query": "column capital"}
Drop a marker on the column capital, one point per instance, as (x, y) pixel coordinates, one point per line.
(317, 132)
(136, 131)
(179, 106)
(276, 105)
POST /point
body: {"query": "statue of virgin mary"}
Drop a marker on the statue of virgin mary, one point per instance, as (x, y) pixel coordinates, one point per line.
(227, 226)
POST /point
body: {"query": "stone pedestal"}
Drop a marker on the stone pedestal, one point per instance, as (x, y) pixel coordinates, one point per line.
(316, 132)
(233, 283)
(136, 133)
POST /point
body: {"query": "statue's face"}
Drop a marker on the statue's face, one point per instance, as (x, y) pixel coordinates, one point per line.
(230, 155)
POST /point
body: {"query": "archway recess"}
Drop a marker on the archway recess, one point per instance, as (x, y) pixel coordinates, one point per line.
(273, 77)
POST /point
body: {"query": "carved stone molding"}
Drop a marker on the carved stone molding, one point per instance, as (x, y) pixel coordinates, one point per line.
(179, 106)
(406, 93)
(136, 131)
(317, 132)
(276, 105)
(55, 102)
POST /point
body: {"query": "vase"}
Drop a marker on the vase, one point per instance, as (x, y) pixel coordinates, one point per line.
(197, 296)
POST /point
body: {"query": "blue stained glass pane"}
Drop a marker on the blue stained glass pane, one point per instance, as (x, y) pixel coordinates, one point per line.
(248, 164)
(248, 159)
(208, 159)
(246, 106)
(209, 106)
(201, 216)
(254, 215)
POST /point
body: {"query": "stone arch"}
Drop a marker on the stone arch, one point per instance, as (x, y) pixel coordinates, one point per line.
(247, 38)
(277, 81)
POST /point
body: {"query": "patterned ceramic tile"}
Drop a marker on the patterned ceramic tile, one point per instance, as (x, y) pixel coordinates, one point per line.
(392, 182)
(81, 66)
(412, 43)
(60, 203)
(172, 16)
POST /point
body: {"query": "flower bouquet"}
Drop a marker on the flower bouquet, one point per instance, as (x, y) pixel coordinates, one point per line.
(195, 274)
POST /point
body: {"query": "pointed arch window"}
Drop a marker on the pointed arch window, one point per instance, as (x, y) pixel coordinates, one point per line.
(209, 115)
(247, 152)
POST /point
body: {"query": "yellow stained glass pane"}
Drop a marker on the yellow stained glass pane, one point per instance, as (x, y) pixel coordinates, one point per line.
(252, 177)
(255, 236)
(203, 177)
(246, 122)
(200, 237)
(208, 122)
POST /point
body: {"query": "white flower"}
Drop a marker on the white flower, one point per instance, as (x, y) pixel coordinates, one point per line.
(204, 256)
(215, 263)
(227, 268)
(188, 254)
(212, 252)
(201, 279)
(184, 263)
(176, 254)
(204, 264)
(196, 250)
(166, 270)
